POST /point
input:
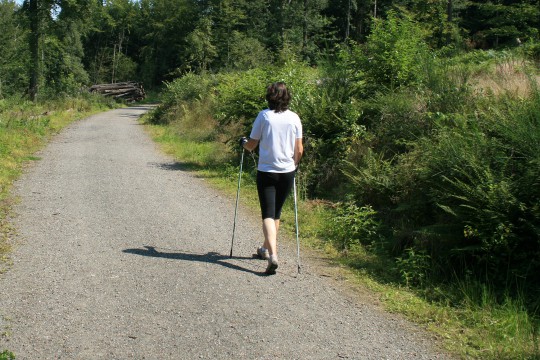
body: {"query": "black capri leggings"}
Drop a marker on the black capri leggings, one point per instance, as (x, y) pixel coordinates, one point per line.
(273, 189)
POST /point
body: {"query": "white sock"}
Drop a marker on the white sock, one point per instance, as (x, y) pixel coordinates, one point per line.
(273, 258)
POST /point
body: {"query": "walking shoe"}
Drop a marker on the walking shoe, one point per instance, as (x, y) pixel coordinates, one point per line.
(263, 253)
(272, 266)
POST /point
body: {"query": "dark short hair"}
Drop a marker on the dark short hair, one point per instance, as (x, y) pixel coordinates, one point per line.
(278, 96)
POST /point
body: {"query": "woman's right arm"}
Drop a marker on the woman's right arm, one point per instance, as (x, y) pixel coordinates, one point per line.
(251, 144)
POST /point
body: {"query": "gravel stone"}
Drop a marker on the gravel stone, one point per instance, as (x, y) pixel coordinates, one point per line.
(123, 254)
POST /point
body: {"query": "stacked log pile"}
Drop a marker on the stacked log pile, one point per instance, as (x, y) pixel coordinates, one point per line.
(129, 91)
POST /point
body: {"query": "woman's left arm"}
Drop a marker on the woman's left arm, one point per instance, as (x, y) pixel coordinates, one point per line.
(298, 151)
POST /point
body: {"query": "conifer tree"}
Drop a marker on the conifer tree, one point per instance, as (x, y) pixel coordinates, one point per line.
(13, 50)
(491, 24)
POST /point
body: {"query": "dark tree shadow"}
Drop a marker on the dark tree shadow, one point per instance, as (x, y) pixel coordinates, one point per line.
(147, 107)
(172, 166)
(130, 115)
(211, 257)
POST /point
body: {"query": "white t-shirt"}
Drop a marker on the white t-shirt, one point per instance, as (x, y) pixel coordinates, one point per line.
(277, 134)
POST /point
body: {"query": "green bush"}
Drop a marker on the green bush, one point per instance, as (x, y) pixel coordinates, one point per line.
(63, 73)
(414, 267)
(240, 97)
(7, 355)
(395, 53)
(188, 89)
(481, 173)
(397, 120)
(353, 226)
(332, 130)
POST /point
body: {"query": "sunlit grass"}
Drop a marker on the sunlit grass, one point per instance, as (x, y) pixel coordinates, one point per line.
(509, 77)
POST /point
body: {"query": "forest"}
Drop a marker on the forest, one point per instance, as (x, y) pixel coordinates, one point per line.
(57, 46)
(421, 119)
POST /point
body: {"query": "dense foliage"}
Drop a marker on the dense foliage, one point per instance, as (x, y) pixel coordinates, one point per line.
(53, 47)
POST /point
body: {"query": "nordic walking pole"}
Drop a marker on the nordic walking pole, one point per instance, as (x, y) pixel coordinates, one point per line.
(296, 223)
(237, 197)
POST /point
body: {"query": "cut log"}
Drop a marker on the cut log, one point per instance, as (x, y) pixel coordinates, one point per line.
(129, 91)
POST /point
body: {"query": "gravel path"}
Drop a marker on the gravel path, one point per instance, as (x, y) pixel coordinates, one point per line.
(123, 255)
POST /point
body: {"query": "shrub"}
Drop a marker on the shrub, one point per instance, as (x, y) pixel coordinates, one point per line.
(240, 97)
(331, 133)
(483, 174)
(7, 355)
(414, 267)
(190, 88)
(394, 53)
(353, 226)
(532, 50)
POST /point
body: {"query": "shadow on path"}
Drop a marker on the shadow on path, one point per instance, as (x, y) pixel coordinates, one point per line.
(211, 257)
(144, 107)
(172, 166)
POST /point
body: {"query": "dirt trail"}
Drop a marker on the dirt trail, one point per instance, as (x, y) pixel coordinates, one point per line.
(124, 255)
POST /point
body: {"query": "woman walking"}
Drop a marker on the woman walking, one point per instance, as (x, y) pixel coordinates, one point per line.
(278, 133)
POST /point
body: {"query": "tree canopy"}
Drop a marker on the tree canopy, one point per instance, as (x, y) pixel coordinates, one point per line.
(57, 46)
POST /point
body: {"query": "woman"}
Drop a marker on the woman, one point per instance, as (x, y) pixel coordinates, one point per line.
(278, 133)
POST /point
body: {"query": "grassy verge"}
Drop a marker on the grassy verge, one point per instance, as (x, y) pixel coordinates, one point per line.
(24, 128)
(464, 316)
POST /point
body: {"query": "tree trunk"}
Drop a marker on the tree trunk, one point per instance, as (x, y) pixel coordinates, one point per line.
(33, 16)
(305, 28)
(113, 63)
(348, 26)
(449, 18)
